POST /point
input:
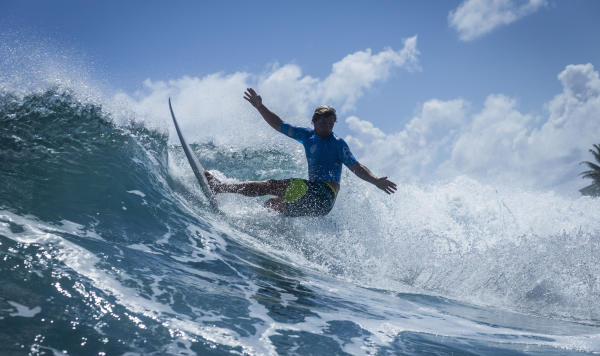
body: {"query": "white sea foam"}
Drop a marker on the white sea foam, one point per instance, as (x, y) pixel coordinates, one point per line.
(467, 239)
(492, 245)
(24, 311)
(387, 317)
(143, 248)
(137, 192)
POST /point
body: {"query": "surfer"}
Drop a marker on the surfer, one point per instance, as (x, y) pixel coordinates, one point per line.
(325, 153)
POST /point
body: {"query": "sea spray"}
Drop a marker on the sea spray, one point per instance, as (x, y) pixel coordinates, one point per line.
(107, 247)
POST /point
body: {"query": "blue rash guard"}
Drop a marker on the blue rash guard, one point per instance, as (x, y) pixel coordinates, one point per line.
(325, 155)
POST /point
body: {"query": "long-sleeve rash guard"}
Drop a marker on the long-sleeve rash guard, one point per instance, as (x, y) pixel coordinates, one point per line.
(325, 155)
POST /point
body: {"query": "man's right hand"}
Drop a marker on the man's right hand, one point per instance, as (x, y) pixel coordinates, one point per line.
(273, 120)
(253, 98)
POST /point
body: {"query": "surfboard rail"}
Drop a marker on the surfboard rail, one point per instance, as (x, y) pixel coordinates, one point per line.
(195, 164)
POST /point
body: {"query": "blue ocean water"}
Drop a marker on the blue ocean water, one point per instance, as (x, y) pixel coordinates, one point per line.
(107, 247)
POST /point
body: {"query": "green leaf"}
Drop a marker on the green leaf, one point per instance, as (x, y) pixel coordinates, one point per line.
(592, 166)
(597, 153)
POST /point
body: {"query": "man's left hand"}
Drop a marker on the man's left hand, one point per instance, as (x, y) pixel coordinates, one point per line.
(386, 185)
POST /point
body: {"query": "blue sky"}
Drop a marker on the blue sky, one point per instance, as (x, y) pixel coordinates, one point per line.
(127, 42)
(130, 41)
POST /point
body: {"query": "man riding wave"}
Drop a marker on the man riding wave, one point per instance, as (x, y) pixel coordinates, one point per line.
(325, 153)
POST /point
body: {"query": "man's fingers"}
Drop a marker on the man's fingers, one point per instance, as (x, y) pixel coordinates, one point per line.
(251, 96)
(389, 187)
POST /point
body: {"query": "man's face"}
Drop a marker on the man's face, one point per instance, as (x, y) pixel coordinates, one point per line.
(324, 125)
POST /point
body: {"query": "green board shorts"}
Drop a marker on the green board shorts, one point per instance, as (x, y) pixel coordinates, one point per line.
(306, 198)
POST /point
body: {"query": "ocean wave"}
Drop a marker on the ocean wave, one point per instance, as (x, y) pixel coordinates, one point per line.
(109, 246)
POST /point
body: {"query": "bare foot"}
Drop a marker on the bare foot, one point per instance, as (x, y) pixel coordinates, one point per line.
(215, 185)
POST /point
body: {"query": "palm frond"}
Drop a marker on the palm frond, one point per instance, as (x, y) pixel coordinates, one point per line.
(591, 165)
(593, 173)
(596, 153)
(595, 176)
(591, 190)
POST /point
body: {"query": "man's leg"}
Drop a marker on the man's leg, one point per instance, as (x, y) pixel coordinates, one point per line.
(276, 203)
(275, 187)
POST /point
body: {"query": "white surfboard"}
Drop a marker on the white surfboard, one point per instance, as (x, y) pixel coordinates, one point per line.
(195, 164)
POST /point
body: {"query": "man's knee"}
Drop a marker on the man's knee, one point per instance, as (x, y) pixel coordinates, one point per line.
(277, 181)
(278, 184)
(276, 204)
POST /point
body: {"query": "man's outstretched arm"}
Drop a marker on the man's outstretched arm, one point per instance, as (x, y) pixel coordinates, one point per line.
(382, 183)
(272, 119)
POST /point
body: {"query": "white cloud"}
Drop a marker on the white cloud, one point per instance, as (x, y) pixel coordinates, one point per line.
(537, 152)
(213, 107)
(358, 71)
(495, 141)
(475, 18)
(364, 127)
(580, 81)
(418, 149)
(498, 144)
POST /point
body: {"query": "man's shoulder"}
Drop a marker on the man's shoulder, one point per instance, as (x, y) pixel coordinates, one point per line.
(338, 140)
(292, 130)
(305, 129)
